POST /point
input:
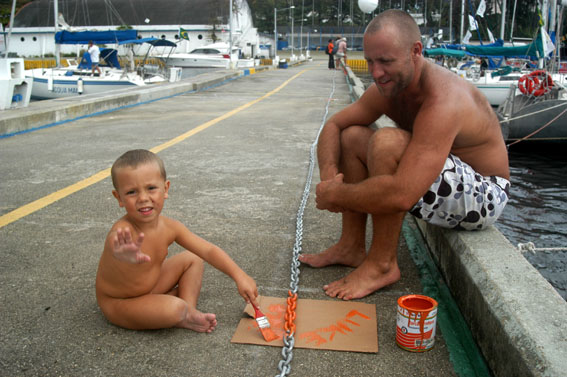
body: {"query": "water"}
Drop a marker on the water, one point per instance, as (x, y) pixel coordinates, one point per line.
(537, 209)
(537, 212)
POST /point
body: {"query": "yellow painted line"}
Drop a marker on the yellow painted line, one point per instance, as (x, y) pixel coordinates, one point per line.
(38, 204)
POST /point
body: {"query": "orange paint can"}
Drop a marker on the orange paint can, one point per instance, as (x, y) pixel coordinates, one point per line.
(416, 323)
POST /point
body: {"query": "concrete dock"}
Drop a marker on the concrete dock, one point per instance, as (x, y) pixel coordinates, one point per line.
(236, 148)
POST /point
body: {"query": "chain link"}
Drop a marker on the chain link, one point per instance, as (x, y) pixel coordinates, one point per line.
(284, 365)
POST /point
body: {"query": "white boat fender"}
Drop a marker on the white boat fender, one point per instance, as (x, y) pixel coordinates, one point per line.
(50, 83)
(80, 87)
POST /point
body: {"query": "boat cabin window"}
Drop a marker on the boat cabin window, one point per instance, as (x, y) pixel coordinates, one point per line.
(208, 51)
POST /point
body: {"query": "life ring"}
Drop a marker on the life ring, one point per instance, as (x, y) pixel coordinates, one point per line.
(536, 83)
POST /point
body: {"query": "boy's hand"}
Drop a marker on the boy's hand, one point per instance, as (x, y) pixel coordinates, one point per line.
(128, 250)
(247, 289)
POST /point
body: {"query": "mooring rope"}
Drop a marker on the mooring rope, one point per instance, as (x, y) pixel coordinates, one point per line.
(284, 365)
(539, 129)
(532, 113)
(530, 247)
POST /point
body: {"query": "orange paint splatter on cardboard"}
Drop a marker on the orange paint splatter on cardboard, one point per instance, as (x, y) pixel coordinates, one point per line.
(318, 336)
(331, 325)
(341, 326)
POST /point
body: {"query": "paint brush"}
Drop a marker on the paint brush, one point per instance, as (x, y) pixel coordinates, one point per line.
(263, 325)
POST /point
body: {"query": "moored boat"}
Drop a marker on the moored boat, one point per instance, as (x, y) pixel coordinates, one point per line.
(215, 55)
(72, 81)
(77, 79)
(535, 119)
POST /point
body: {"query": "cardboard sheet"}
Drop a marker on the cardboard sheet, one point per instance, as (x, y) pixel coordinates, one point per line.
(329, 325)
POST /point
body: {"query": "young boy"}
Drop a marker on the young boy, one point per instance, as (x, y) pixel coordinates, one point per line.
(136, 286)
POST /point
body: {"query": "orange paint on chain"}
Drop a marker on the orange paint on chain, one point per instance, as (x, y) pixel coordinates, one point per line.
(290, 313)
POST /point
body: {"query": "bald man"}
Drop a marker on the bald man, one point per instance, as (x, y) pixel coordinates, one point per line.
(446, 163)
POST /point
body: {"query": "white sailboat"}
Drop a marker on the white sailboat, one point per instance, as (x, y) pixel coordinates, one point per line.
(215, 55)
(15, 88)
(77, 79)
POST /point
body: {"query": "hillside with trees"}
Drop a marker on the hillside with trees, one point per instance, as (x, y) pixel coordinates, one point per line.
(316, 13)
(346, 13)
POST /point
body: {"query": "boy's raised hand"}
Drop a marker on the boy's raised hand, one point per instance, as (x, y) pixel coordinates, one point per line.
(128, 250)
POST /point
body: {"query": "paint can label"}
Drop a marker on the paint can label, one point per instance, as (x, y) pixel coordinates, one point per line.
(416, 323)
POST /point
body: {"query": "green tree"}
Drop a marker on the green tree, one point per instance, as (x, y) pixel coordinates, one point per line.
(326, 11)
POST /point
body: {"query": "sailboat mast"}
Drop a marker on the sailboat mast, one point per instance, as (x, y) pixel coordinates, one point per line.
(10, 29)
(450, 21)
(462, 21)
(513, 21)
(552, 15)
(230, 35)
(57, 47)
(503, 20)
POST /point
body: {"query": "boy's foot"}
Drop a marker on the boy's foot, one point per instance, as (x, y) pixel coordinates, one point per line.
(200, 322)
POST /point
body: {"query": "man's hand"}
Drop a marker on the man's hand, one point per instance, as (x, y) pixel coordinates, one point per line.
(324, 193)
(128, 250)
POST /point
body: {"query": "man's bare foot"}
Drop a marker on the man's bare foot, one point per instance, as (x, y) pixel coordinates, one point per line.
(336, 254)
(200, 322)
(366, 279)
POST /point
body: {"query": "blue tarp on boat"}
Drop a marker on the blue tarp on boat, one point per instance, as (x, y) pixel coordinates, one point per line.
(98, 37)
(532, 51)
(529, 51)
(156, 42)
(498, 43)
(109, 55)
(444, 52)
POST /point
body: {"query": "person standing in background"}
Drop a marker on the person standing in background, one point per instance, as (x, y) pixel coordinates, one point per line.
(94, 52)
(329, 51)
(341, 53)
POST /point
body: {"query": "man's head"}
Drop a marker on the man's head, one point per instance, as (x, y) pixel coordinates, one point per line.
(133, 159)
(406, 27)
(392, 47)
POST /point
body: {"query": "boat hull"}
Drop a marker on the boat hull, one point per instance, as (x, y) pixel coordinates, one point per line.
(187, 61)
(542, 122)
(51, 84)
(496, 89)
(495, 94)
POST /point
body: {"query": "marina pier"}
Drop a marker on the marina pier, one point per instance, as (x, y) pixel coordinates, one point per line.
(236, 146)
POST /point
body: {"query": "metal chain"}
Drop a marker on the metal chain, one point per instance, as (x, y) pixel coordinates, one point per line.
(284, 365)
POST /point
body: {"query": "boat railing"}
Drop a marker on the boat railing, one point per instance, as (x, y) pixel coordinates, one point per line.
(505, 108)
(516, 101)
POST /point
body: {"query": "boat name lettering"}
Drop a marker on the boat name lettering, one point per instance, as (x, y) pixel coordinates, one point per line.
(63, 89)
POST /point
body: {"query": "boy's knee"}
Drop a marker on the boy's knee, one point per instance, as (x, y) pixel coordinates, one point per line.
(193, 260)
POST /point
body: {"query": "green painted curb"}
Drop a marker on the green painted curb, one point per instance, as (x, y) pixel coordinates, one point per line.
(463, 351)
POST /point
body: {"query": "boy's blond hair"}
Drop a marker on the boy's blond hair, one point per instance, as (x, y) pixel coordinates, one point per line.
(134, 158)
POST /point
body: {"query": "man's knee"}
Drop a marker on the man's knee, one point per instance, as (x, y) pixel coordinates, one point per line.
(355, 137)
(389, 141)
